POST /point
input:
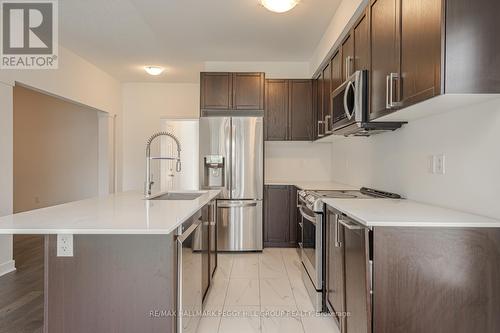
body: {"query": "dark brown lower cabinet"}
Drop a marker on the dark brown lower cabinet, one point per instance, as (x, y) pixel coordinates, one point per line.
(443, 280)
(280, 216)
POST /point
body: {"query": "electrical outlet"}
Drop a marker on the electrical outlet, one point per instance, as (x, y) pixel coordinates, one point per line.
(440, 165)
(65, 245)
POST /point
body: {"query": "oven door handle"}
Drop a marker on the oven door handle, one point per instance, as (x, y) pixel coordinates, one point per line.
(307, 216)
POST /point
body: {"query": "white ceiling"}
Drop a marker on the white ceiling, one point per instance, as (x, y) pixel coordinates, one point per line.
(121, 36)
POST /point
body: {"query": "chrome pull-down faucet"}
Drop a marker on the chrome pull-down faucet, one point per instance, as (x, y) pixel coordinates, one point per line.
(148, 184)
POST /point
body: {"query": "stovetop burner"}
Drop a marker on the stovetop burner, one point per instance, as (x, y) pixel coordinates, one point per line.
(314, 202)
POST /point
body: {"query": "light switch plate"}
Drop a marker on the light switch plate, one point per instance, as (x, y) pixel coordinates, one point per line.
(64, 245)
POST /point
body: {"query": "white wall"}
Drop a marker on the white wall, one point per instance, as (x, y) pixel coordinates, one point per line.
(345, 12)
(144, 105)
(399, 161)
(6, 172)
(76, 80)
(286, 161)
(187, 131)
(55, 151)
(273, 70)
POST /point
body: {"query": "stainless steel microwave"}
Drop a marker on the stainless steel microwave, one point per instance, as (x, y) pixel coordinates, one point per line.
(350, 103)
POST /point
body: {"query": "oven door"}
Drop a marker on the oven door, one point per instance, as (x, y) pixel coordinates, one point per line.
(311, 252)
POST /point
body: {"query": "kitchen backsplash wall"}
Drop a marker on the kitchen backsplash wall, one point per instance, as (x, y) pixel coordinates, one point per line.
(288, 161)
(400, 161)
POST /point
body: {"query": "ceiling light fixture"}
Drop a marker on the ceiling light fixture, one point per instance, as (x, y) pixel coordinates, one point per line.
(279, 6)
(154, 70)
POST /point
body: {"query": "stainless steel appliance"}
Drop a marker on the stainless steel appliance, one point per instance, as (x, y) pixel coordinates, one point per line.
(350, 103)
(189, 266)
(231, 159)
(311, 242)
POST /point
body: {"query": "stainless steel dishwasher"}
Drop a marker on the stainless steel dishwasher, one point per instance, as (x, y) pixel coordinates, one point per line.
(189, 266)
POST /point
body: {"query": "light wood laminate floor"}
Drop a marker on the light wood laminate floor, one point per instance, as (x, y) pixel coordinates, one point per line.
(21, 291)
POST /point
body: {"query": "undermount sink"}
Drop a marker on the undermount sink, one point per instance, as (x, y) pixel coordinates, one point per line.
(177, 196)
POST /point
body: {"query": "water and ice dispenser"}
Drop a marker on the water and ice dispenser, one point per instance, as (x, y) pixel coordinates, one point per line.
(214, 171)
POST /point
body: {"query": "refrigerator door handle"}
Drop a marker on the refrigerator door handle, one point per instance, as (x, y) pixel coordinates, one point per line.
(237, 204)
(233, 164)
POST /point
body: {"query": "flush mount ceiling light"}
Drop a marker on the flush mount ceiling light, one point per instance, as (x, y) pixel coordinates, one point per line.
(154, 70)
(279, 6)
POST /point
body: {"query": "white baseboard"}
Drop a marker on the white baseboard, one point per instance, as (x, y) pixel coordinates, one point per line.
(7, 267)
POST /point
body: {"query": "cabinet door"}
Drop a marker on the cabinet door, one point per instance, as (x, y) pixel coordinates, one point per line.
(327, 88)
(335, 282)
(357, 280)
(248, 91)
(336, 64)
(384, 52)
(276, 114)
(300, 110)
(276, 228)
(216, 91)
(320, 128)
(446, 278)
(347, 57)
(361, 44)
(420, 50)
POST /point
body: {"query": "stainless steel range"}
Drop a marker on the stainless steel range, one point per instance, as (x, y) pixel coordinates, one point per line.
(311, 209)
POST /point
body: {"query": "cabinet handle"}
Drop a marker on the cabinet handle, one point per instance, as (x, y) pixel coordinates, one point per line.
(348, 66)
(338, 243)
(320, 122)
(392, 78)
(389, 93)
(349, 225)
(387, 82)
(327, 124)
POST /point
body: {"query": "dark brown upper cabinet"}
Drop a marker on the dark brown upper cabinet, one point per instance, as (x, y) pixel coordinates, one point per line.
(231, 91)
(289, 110)
(301, 111)
(405, 53)
(347, 57)
(320, 122)
(248, 91)
(276, 115)
(420, 50)
(216, 91)
(472, 46)
(417, 50)
(327, 89)
(336, 65)
(384, 52)
(361, 34)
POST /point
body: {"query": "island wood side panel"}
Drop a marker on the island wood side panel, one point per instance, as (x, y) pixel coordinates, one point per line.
(436, 280)
(111, 284)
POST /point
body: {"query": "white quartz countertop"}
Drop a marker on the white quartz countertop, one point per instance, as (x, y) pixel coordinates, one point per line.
(312, 185)
(406, 213)
(120, 213)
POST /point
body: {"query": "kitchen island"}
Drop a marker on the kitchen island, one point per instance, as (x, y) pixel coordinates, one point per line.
(123, 272)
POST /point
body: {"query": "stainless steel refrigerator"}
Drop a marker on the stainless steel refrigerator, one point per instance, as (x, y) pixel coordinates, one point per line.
(232, 159)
